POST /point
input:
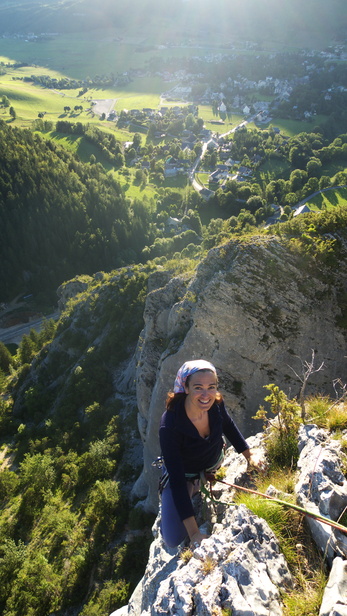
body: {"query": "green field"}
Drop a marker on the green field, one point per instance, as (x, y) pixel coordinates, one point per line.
(29, 99)
(333, 167)
(329, 200)
(81, 55)
(273, 169)
(206, 113)
(293, 127)
(202, 178)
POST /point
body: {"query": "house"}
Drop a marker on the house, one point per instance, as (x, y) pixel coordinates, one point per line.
(205, 133)
(245, 171)
(218, 175)
(173, 223)
(170, 171)
(303, 209)
(187, 145)
(173, 167)
(212, 144)
(188, 135)
(214, 177)
(205, 193)
(246, 110)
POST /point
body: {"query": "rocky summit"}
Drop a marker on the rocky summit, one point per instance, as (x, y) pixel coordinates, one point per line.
(240, 567)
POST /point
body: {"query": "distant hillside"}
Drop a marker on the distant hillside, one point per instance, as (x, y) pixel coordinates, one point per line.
(249, 18)
(60, 217)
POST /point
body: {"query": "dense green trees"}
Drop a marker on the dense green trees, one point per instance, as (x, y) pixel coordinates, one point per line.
(59, 216)
(303, 161)
(64, 508)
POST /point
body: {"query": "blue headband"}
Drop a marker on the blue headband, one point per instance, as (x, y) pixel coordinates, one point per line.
(188, 368)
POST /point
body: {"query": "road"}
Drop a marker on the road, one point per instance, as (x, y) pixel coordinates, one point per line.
(195, 184)
(15, 334)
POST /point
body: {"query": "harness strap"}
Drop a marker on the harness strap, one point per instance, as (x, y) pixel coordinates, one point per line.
(206, 475)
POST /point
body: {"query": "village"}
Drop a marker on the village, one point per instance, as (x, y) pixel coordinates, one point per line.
(187, 150)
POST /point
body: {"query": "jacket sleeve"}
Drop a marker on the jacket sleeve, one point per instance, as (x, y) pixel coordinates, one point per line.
(170, 449)
(232, 432)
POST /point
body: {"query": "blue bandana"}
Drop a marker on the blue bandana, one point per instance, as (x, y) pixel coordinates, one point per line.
(188, 368)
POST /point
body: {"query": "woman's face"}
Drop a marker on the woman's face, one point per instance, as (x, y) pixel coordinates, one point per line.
(201, 390)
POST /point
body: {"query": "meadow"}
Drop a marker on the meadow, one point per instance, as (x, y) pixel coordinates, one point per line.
(273, 169)
(89, 54)
(328, 200)
(29, 99)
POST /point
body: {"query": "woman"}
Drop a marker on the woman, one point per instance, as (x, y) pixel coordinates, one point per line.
(191, 439)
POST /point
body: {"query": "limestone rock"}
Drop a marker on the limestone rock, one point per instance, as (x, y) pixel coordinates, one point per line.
(71, 288)
(239, 567)
(322, 487)
(335, 595)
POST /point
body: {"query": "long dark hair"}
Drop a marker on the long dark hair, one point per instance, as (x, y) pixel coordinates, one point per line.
(173, 398)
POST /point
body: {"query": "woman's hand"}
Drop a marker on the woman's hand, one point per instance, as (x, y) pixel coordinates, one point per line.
(196, 539)
(193, 531)
(255, 460)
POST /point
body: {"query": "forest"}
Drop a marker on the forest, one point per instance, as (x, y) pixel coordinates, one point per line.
(60, 217)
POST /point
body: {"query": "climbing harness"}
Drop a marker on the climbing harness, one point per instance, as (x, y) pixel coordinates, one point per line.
(164, 479)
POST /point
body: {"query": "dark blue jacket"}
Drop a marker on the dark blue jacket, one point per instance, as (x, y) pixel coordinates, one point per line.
(185, 451)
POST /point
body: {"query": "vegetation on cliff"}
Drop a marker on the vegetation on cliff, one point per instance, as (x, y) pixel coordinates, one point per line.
(64, 483)
(67, 431)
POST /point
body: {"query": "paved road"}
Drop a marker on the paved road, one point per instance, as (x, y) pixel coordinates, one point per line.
(15, 334)
(195, 184)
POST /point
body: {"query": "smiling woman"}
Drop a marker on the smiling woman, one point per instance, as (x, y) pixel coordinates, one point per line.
(191, 439)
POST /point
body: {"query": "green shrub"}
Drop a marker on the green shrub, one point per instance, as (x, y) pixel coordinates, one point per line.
(8, 484)
(281, 432)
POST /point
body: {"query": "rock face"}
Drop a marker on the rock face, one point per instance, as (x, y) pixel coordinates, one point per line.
(256, 312)
(322, 487)
(239, 567)
(70, 289)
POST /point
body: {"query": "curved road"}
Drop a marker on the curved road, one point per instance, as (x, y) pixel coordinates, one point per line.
(195, 184)
(14, 334)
